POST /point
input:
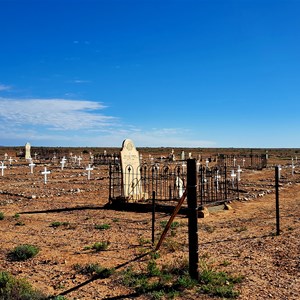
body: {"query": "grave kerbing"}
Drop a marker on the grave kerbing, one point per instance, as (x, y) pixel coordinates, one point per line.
(131, 176)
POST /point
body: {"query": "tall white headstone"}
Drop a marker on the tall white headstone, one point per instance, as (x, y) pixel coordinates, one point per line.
(27, 151)
(131, 176)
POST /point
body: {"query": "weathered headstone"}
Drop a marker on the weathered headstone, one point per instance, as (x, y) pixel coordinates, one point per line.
(179, 186)
(182, 155)
(27, 151)
(131, 176)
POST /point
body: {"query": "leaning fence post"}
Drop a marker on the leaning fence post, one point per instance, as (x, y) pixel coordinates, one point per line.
(277, 199)
(193, 218)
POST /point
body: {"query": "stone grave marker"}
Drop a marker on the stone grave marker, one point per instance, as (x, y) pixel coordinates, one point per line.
(179, 186)
(131, 176)
(27, 151)
(182, 155)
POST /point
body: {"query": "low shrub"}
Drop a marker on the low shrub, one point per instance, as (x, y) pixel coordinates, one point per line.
(102, 226)
(23, 252)
(12, 288)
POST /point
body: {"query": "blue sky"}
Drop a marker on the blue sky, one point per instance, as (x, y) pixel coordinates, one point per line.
(178, 73)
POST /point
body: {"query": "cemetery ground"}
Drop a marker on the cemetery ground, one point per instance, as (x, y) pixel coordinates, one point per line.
(80, 236)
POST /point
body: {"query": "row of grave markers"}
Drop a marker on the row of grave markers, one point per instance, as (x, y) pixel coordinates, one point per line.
(46, 172)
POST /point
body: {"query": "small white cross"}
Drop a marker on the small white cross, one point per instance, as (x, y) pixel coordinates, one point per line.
(207, 163)
(63, 161)
(239, 170)
(45, 173)
(79, 160)
(2, 167)
(233, 175)
(5, 156)
(89, 169)
(31, 165)
(243, 162)
(35, 155)
(183, 167)
(217, 177)
(234, 161)
(10, 160)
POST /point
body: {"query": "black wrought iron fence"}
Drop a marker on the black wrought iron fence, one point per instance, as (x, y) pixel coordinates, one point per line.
(251, 161)
(168, 181)
(106, 159)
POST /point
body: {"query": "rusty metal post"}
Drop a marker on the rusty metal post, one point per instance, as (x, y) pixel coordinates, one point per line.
(193, 218)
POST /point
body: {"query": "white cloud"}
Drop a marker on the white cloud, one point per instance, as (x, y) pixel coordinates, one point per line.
(61, 122)
(4, 87)
(58, 114)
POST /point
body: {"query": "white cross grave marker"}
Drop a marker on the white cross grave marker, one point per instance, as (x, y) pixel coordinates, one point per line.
(45, 173)
(31, 165)
(217, 177)
(35, 155)
(5, 156)
(63, 161)
(207, 163)
(234, 161)
(233, 175)
(183, 167)
(279, 171)
(244, 162)
(239, 170)
(89, 169)
(293, 167)
(79, 160)
(2, 167)
(10, 161)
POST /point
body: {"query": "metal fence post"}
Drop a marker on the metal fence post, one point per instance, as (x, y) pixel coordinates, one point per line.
(193, 218)
(153, 216)
(277, 200)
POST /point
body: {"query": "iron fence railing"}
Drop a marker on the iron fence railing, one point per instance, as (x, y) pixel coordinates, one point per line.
(168, 181)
